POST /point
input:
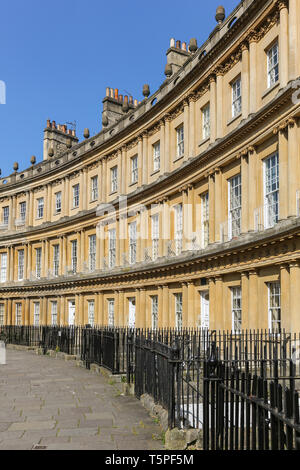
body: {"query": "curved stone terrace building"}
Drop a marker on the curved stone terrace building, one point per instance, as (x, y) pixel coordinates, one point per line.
(184, 210)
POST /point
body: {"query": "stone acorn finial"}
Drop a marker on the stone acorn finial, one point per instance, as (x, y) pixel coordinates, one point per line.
(69, 143)
(16, 166)
(193, 46)
(146, 90)
(33, 160)
(51, 152)
(220, 14)
(168, 70)
(104, 120)
(86, 133)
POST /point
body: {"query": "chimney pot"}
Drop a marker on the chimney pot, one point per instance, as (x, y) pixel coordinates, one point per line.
(107, 91)
(111, 92)
(120, 98)
(184, 46)
(172, 42)
(135, 103)
(48, 123)
(178, 44)
(53, 125)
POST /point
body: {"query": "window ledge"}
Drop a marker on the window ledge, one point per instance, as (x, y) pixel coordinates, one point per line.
(234, 119)
(133, 184)
(269, 90)
(113, 192)
(204, 141)
(155, 172)
(178, 158)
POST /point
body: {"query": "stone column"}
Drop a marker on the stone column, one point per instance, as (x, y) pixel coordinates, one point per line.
(30, 208)
(293, 38)
(218, 203)
(218, 313)
(245, 80)
(293, 167)
(166, 224)
(245, 300)
(185, 304)
(9, 312)
(160, 306)
(186, 128)
(138, 323)
(191, 314)
(191, 152)
(219, 103)
(161, 242)
(46, 258)
(283, 173)
(294, 296)
(104, 179)
(64, 254)
(252, 172)
(27, 312)
(284, 43)
(121, 319)
(166, 314)
(145, 158)
(27, 218)
(245, 191)
(185, 221)
(143, 317)
(253, 300)
(162, 146)
(67, 196)
(124, 170)
(253, 72)
(167, 145)
(212, 304)
(213, 110)
(211, 196)
(285, 296)
(84, 190)
(82, 251)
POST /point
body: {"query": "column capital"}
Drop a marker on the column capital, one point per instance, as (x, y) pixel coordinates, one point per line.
(253, 272)
(294, 263)
(281, 4)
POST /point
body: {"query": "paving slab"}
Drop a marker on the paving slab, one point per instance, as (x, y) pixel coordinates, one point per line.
(65, 407)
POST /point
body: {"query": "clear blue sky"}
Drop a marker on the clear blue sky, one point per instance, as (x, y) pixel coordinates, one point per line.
(58, 56)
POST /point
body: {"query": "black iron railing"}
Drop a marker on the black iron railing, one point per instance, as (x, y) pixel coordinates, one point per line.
(240, 389)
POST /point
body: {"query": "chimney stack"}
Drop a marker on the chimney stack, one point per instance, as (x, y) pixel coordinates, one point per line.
(57, 139)
(177, 55)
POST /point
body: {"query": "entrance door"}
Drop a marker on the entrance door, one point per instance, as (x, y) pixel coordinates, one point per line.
(131, 319)
(72, 312)
(205, 309)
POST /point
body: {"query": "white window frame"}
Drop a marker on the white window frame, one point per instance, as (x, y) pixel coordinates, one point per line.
(111, 312)
(178, 310)
(91, 312)
(134, 169)
(92, 252)
(53, 312)
(6, 215)
(112, 247)
(58, 202)
(274, 290)
(154, 311)
(236, 309)
(38, 262)
(132, 228)
(180, 141)
(36, 313)
(234, 206)
(236, 88)
(204, 220)
(114, 179)
(156, 156)
(3, 267)
(94, 188)
(23, 208)
(20, 265)
(206, 122)
(40, 208)
(56, 259)
(74, 256)
(271, 190)
(2, 314)
(76, 195)
(18, 313)
(273, 64)
(178, 229)
(155, 236)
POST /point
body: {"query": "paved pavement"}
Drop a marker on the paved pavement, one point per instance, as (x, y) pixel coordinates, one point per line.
(52, 403)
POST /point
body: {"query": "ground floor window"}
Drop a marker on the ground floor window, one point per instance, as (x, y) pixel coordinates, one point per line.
(36, 313)
(1, 314)
(154, 300)
(178, 310)
(236, 309)
(54, 313)
(274, 306)
(91, 312)
(111, 312)
(18, 314)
